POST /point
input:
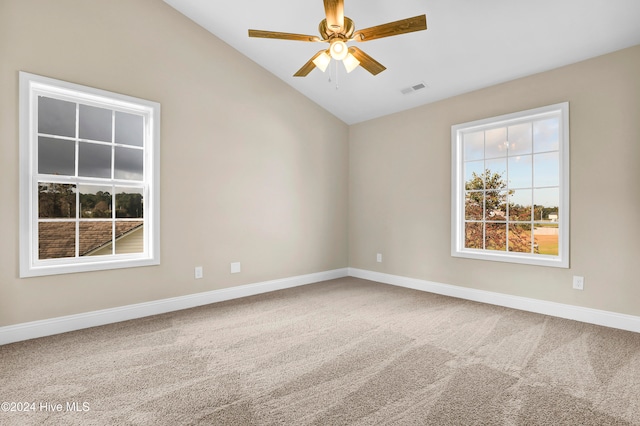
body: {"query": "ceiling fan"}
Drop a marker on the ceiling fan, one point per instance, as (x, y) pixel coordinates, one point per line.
(337, 29)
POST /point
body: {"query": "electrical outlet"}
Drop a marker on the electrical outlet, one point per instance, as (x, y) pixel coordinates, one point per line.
(379, 257)
(235, 267)
(198, 273)
(578, 283)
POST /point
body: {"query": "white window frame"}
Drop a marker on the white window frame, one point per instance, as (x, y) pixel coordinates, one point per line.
(458, 248)
(32, 86)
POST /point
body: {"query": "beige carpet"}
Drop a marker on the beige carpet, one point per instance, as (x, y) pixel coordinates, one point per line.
(346, 351)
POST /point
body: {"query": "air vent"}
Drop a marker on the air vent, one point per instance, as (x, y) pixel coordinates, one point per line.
(414, 88)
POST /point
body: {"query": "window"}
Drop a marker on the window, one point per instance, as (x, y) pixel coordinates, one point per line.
(510, 187)
(89, 178)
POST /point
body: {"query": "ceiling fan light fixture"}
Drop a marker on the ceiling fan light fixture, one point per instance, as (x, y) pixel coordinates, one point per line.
(350, 63)
(338, 50)
(322, 61)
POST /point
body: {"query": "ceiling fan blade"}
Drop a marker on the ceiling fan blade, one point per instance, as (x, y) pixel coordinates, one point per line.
(283, 36)
(403, 26)
(309, 66)
(334, 9)
(366, 61)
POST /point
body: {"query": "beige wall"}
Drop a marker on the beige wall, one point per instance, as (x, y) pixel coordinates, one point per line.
(400, 173)
(251, 170)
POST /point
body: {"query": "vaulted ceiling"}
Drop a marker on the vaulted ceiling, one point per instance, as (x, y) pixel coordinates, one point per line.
(469, 44)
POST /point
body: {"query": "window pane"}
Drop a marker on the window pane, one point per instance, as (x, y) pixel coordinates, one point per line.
(546, 239)
(56, 156)
(495, 183)
(95, 201)
(520, 238)
(95, 123)
(96, 237)
(496, 143)
(496, 205)
(520, 205)
(56, 117)
(546, 135)
(496, 170)
(546, 169)
(473, 205)
(129, 237)
(473, 146)
(129, 203)
(56, 240)
(520, 139)
(94, 160)
(129, 129)
(550, 214)
(546, 203)
(129, 163)
(496, 236)
(473, 235)
(520, 172)
(56, 200)
(473, 175)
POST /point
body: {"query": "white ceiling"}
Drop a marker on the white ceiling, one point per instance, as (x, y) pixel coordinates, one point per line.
(469, 44)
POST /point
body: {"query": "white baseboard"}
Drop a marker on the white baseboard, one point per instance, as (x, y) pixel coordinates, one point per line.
(48, 327)
(577, 313)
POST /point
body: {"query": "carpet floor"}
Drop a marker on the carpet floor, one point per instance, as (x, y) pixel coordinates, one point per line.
(341, 352)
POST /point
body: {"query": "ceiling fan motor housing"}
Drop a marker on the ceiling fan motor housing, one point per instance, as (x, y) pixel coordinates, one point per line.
(345, 33)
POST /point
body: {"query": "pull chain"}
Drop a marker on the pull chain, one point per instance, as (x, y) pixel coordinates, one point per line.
(336, 75)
